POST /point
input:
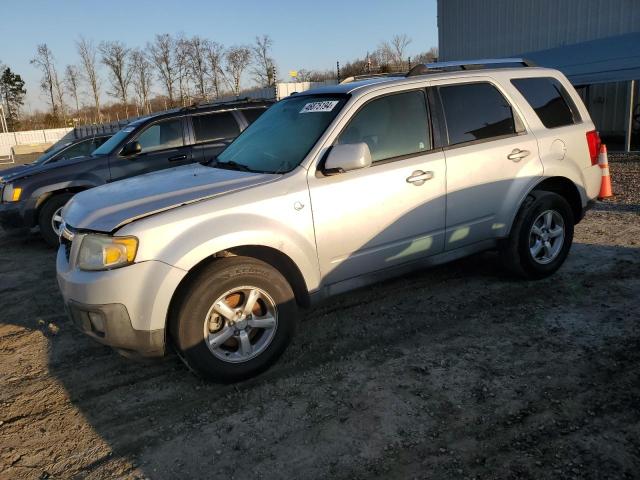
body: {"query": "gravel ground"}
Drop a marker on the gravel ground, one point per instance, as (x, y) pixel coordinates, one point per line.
(625, 182)
(454, 372)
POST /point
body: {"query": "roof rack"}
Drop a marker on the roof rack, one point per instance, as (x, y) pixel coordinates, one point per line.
(426, 68)
(226, 102)
(355, 78)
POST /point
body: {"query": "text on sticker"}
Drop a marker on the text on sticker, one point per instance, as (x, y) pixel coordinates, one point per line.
(326, 106)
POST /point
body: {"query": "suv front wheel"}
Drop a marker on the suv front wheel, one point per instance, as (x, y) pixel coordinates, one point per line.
(541, 236)
(234, 318)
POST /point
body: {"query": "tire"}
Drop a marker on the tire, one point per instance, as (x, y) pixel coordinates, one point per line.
(195, 319)
(518, 252)
(46, 215)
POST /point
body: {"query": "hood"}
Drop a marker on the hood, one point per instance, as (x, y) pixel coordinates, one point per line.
(27, 170)
(8, 174)
(110, 206)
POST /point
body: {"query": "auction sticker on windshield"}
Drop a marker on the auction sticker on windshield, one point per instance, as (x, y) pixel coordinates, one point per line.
(326, 106)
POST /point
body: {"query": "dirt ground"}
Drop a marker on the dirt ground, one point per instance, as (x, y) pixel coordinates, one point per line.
(454, 372)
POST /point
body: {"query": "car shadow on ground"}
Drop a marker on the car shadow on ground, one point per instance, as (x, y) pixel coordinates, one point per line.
(458, 369)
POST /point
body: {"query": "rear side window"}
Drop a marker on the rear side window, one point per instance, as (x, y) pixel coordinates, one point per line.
(392, 126)
(476, 111)
(549, 99)
(215, 126)
(252, 114)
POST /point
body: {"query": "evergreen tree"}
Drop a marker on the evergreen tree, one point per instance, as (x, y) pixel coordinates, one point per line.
(12, 94)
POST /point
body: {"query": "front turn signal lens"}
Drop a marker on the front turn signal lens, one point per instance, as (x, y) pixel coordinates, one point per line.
(11, 193)
(17, 191)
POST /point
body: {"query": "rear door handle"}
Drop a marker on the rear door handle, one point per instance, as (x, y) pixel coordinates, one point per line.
(516, 154)
(419, 177)
(177, 158)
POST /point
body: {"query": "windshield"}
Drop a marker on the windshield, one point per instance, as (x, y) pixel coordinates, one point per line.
(283, 135)
(107, 147)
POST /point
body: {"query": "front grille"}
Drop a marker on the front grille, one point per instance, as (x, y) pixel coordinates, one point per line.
(66, 240)
(67, 247)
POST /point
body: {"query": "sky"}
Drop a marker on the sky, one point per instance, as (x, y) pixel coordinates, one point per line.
(309, 35)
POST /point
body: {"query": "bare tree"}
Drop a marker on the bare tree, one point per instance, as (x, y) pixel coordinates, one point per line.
(214, 56)
(263, 70)
(115, 55)
(237, 59)
(399, 44)
(44, 61)
(161, 51)
(197, 57)
(87, 52)
(314, 75)
(141, 69)
(72, 82)
(59, 89)
(392, 53)
(429, 56)
(181, 57)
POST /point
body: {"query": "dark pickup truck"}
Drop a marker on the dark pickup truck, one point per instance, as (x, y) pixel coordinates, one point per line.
(33, 196)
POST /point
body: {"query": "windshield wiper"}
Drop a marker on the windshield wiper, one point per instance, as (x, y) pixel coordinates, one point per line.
(231, 165)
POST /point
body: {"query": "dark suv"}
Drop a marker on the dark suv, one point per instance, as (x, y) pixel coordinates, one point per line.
(34, 195)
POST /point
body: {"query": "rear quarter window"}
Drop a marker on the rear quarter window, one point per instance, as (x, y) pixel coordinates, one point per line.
(549, 100)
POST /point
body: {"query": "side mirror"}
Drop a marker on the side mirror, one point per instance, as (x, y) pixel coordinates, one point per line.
(346, 157)
(131, 148)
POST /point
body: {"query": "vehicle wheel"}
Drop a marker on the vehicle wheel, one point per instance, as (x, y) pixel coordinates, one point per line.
(50, 218)
(541, 236)
(234, 319)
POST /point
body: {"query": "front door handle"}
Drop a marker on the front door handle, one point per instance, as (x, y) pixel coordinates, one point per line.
(177, 158)
(516, 154)
(419, 177)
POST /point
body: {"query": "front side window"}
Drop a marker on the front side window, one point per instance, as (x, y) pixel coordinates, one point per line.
(80, 149)
(392, 126)
(215, 126)
(283, 135)
(115, 142)
(162, 135)
(476, 111)
(549, 99)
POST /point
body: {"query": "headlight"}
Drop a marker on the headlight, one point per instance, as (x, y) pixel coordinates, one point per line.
(11, 193)
(102, 252)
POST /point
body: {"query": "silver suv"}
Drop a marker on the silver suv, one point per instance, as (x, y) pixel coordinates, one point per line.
(330, 190)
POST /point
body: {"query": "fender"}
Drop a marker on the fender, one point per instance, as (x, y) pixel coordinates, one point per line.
(56, 187)
(534, 185)
(187, 235)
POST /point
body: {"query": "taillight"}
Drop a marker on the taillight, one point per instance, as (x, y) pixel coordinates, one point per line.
(593, 140)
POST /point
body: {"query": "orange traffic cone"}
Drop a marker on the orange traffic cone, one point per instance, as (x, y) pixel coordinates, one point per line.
(603, 162)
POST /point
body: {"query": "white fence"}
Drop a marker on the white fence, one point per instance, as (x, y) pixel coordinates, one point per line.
(11, 139)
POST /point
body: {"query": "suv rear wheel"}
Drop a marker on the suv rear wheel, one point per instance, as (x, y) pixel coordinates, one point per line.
(541, 236)
(50, 218)
(234, 319)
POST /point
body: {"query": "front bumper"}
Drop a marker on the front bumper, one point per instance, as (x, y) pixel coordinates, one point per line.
(110, 325)
(125, 308)
(12, 216)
